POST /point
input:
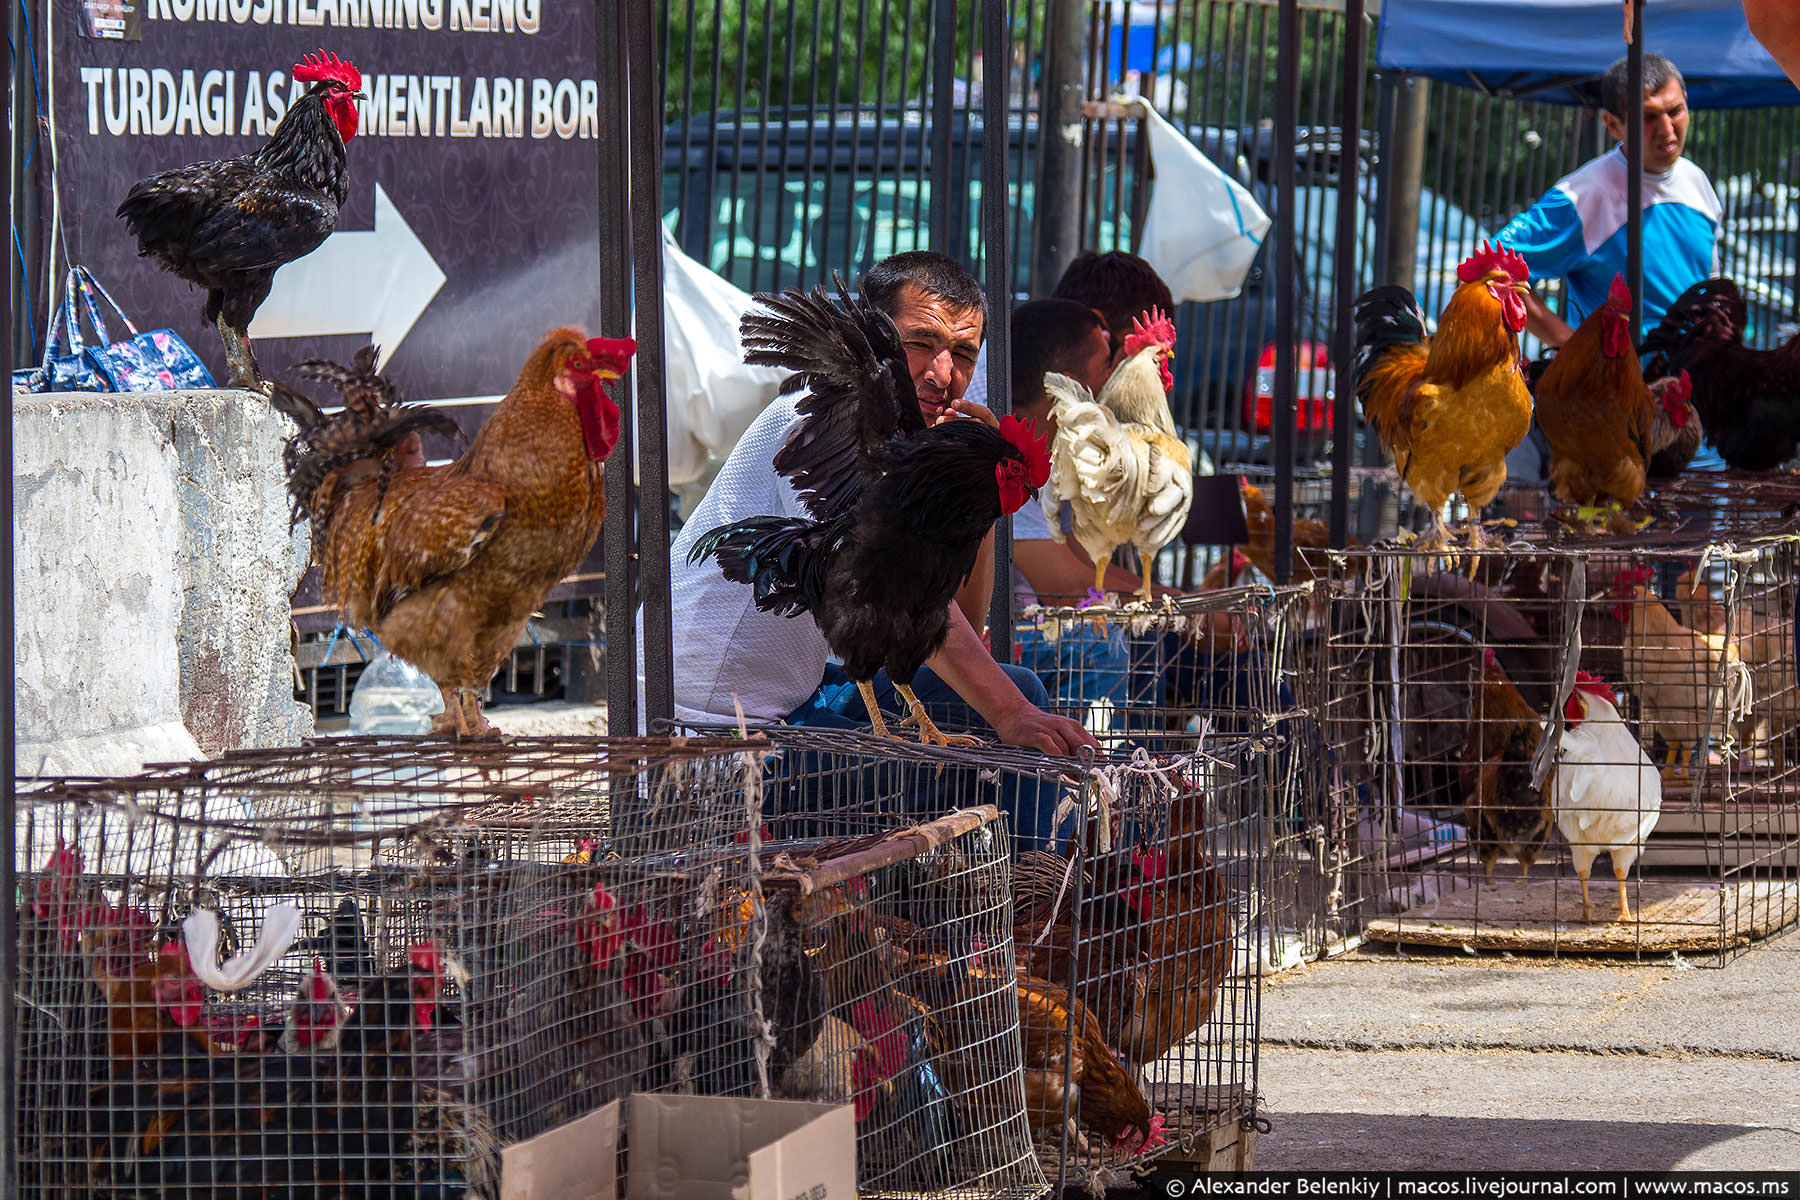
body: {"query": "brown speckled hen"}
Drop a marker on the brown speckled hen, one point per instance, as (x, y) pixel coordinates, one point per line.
(445, 564)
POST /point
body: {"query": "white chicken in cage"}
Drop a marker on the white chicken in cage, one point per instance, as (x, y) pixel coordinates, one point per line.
(1606, 793)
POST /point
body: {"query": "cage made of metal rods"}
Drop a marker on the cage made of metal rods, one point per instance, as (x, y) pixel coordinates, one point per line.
(434, 950)
(1236, 672)
(1139, 973)
(1476, 776)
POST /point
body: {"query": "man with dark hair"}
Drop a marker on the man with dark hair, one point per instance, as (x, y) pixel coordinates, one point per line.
(1117, 285)
(730, 654)
(1577, 231)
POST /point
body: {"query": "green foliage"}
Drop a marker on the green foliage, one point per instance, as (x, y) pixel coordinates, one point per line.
(802, 53)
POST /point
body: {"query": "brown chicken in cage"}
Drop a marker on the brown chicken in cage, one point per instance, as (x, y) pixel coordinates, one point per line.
(1503, 811)
(1689, 685)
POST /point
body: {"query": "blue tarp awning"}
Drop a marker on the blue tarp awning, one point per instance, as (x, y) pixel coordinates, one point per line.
(1556, 50)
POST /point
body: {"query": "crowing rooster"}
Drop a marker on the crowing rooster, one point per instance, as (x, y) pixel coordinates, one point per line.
(1117, 460)
(1448, 406)
(446, 564)
(898, 510)
(228, 225)
(1606, 794)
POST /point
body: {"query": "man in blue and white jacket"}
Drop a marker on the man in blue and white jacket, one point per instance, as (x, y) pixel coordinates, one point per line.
(1577, 231)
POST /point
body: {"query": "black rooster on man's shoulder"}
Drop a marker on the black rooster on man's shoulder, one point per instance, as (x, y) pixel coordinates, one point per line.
(228, 224)
(899, 510)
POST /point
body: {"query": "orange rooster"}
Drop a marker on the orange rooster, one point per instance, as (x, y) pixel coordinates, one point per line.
(445, 564)
(1448, 406)
(1595, 409)
(1116, 457)
(1311, 538)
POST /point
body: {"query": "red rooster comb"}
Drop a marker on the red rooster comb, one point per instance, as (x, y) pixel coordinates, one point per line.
(1489, 660)
(426, 957)
(1595, 686)
(1493, 258)
(1618, 296)
(324, 65)
(1031, 447)
(1674, 395)
(613, 354)
(1631, 577)
(1151, 328)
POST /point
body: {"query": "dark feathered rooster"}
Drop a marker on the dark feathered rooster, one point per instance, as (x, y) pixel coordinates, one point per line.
(228, 225)
(1748, 400)
(899, 511)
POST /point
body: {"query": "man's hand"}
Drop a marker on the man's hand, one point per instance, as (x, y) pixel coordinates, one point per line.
(960, 408)
(1038, 730)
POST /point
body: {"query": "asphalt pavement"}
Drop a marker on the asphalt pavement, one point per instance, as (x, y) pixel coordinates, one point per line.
(1444, 1061)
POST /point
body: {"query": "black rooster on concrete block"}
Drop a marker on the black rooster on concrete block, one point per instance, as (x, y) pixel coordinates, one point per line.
(899, 510)
(228, 225)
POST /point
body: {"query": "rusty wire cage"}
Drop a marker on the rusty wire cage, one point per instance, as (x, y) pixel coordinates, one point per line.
(1139, 983)
(1238, 672)
(1475, 792)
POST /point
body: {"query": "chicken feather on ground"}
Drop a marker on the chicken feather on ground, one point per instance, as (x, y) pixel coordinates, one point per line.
(1595, 409)
(228, 225)
(897, 511)
(1129, 479)
(1448, 406)
(1502, 810)
(446, 564)
(1606, 793)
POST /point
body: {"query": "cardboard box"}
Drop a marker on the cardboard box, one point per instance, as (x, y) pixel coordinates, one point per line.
(717, 1148)
(691, 1148)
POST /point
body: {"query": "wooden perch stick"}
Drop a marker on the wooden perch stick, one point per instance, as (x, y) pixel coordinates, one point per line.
(900, 846)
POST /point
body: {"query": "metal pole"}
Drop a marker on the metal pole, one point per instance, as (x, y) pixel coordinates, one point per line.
(1349, 179)
(16, 299)
(643, 72)
(943, 75)
(25, 211)
(617, 535)
(1634, 172)
(1406, 176)
(1287, 77)
(1059, 135)
(996, 53)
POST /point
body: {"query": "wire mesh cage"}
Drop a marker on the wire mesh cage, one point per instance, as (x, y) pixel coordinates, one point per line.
(365, 967)
(1502, 719)
(1139, 980)
(1237, 672)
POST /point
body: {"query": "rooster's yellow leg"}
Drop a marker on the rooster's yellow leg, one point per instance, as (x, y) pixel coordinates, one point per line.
(1100, 575)
(929, 734)
(1624, 908)
(876, 725)
(1587, 911)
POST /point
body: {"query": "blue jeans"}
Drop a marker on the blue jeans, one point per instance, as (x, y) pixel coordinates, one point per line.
(812, 782)
(1087, 664)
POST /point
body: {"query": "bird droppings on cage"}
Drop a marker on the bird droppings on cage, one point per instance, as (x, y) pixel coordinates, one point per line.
(1497, 728)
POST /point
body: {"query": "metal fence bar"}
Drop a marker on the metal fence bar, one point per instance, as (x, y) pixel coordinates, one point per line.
(997, 266)
(644, 74)
(1634, 170)
(1287, 72)
(1349, 182)
(618, 540)
(18, 297)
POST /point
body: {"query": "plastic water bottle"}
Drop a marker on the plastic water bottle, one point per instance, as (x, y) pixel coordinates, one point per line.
(393, 696)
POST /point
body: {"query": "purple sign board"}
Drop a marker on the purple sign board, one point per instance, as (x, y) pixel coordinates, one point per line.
(471, 224)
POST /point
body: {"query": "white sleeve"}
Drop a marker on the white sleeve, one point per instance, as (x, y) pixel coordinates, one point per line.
(1029, 524)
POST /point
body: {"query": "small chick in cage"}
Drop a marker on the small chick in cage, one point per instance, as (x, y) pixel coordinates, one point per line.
(1607, 794)
(1504, 813)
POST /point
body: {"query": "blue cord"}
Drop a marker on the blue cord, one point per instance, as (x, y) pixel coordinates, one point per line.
(37, 90)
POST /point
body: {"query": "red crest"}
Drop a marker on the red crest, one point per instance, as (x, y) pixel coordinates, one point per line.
(1152, 328)
(322, 65)
(1019, 478)
(1493, 258)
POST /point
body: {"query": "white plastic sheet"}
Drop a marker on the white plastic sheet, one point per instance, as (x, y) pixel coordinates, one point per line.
(1203, 227)
(712, 395)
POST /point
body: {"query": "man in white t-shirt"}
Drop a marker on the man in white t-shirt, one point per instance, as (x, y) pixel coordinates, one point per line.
(730, 654)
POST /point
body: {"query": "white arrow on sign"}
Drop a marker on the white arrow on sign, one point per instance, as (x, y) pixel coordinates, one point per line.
(375, 282)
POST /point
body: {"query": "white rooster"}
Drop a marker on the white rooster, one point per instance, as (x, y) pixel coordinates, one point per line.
(1606, 793)
(1117, 460)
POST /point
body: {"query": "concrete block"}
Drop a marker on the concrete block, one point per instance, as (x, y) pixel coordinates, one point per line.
(154, 570)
